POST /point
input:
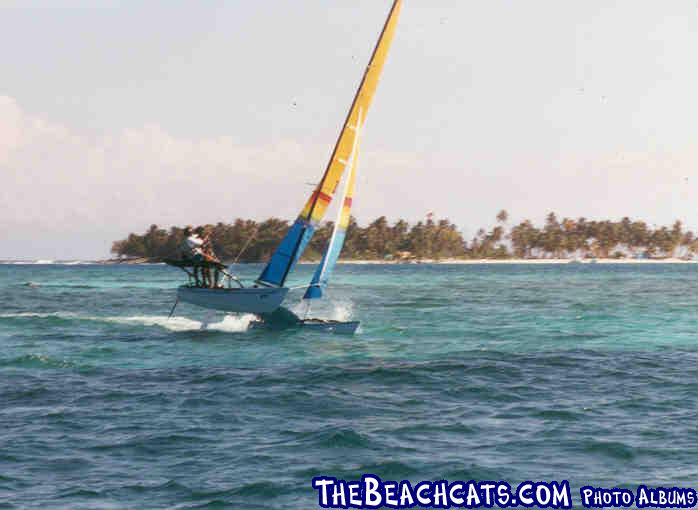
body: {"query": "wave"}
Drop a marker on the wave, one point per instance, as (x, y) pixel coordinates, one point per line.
(39, 315)
(336, 438)
(342, 311)
(229, 324)
(233, 324)
(337, 311)
(613, 449)
(49, 262)
(36, 361)
(171, 324)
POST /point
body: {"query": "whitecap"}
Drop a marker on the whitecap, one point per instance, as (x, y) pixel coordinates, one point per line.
(172, 324)
(229, 323)
(232, 323)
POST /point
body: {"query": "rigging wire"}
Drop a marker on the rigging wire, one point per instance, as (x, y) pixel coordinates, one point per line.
(247, 243)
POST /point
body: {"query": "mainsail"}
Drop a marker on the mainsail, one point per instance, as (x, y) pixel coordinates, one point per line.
(298, 237)
(334, 248)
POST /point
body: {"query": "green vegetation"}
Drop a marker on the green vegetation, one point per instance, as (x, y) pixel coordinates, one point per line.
(582, 238)
(566, 238)
(379, 240)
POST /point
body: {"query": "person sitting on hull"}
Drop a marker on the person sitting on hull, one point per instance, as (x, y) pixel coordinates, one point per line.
(196, 251)
(192, 251)
(210, 256)
(202, 257)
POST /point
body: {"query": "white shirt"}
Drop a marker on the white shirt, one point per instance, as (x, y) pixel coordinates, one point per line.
(193, 244)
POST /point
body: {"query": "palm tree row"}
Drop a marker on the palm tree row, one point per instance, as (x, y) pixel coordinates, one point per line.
(582, 238)
(251, 241)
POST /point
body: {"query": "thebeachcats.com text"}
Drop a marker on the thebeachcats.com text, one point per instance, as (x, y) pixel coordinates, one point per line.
(372, 492)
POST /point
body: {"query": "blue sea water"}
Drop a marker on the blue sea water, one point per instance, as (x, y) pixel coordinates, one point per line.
(582, 372)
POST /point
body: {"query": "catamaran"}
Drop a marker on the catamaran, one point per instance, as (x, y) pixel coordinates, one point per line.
(268, 292)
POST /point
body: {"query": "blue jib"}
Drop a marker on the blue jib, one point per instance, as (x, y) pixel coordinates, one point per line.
(288, 253)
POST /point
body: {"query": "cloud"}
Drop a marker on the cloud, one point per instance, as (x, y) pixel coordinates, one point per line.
(89, 190)
(68, 194)
(57, 179)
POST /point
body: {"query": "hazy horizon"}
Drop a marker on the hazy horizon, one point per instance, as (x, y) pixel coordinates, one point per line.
(127, 114)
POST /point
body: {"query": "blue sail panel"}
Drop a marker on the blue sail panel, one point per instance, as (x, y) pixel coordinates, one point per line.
(324, 270)
(283, 260)
(314, 290)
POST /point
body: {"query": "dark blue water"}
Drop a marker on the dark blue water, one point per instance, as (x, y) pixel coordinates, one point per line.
(584, 372)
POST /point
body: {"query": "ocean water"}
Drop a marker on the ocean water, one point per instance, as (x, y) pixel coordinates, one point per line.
(579, 372)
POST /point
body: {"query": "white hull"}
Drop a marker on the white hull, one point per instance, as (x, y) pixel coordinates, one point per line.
(248, 300)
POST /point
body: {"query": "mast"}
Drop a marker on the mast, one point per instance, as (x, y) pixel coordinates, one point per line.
(298, 237)
(392, 16)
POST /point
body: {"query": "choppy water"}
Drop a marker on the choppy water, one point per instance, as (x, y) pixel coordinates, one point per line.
(458, 372)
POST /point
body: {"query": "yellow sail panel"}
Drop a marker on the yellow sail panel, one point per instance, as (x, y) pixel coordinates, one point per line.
(300, 233)
(317, 204)
(348, 199)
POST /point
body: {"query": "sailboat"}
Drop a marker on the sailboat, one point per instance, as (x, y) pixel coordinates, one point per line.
(269, 291)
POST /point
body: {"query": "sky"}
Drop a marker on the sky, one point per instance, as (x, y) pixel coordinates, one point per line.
(117, 115)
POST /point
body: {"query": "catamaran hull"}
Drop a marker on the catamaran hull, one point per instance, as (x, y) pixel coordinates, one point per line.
(335, 327)
(283, 318)
(249, 300)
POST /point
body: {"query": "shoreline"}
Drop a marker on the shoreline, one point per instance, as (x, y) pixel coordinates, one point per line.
(524, 261)
(113, 262)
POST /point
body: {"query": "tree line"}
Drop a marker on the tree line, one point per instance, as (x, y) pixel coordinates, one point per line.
(582, 238)
(251, 241)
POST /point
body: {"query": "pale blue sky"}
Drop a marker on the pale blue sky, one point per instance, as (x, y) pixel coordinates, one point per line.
(118, 116)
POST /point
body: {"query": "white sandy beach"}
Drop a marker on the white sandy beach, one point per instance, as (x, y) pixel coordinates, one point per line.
(526, 261)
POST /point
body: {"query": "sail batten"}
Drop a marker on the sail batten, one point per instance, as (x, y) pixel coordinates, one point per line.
(298, 237)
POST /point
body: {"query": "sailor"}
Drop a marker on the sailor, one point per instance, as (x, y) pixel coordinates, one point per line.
(191, 250)
(210, 256)
(195, 241)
